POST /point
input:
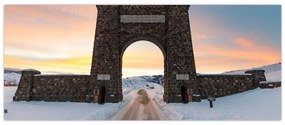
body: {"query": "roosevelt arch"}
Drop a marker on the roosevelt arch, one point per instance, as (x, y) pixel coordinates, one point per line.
(165, 26)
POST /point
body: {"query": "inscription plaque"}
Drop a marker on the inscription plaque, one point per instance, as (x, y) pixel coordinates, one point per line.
(182, 76)
(142, 18)
(103, 77)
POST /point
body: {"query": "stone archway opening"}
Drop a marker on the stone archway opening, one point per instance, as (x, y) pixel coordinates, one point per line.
(142, 58)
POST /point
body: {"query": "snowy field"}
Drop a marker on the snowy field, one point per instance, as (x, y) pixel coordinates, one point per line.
(251, 105)
(257, 104)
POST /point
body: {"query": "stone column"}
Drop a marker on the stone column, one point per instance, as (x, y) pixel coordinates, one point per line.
(25, 87)
(180, 57)
(258, 76)
(105, 62)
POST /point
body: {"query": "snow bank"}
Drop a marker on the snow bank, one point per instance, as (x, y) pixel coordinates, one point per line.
(133, 83)
(258, 104)
(58, 110)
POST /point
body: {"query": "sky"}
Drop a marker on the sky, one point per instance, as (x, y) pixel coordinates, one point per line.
(59, 39)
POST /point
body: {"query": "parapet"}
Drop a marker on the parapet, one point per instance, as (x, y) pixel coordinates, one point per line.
(257, 73)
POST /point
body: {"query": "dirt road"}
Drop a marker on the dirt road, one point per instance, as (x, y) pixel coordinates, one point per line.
(140, 108)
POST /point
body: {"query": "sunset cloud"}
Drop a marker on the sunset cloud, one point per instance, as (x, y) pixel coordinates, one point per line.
(244, 42)
(221, 43)
(44, 32)
(209, 54)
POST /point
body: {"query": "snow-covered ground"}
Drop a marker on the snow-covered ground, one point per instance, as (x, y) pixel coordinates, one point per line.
(256, 104)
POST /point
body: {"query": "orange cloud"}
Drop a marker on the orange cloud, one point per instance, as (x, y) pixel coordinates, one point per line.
(244, 42)
(218, 48)
(211, 57)
(44, 31)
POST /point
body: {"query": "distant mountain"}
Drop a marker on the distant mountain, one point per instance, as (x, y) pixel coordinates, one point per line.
(12, 70)
(137, 82)
(155, 79)
(11, 78)
(272, 71)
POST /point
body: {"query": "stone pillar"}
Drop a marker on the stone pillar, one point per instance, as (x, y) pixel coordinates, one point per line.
(25, 87)
(258, 76)
(172, 35)
(105, 70)
(180, 58)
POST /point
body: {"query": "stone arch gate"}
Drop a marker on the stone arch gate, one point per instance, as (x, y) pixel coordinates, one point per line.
(167, 26)
(117, 27)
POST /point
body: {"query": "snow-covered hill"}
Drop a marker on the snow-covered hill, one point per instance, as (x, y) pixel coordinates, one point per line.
(11, 78)
(272, 72)
(12, 70)
(137, 82)
(155, 78)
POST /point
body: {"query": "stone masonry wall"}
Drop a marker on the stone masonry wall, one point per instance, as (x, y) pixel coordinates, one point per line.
(265, 85)
(75, 88)
(25, 86)
(78, 88)
(223, 85)
(36, 87)
(258, 74)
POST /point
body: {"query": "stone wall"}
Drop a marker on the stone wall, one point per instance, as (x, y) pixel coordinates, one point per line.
(75, 88)
(270, 85)
(227, 84)
(25, 86)
(258, 74)
(78, 88)
(223, 85)
(33, 86)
